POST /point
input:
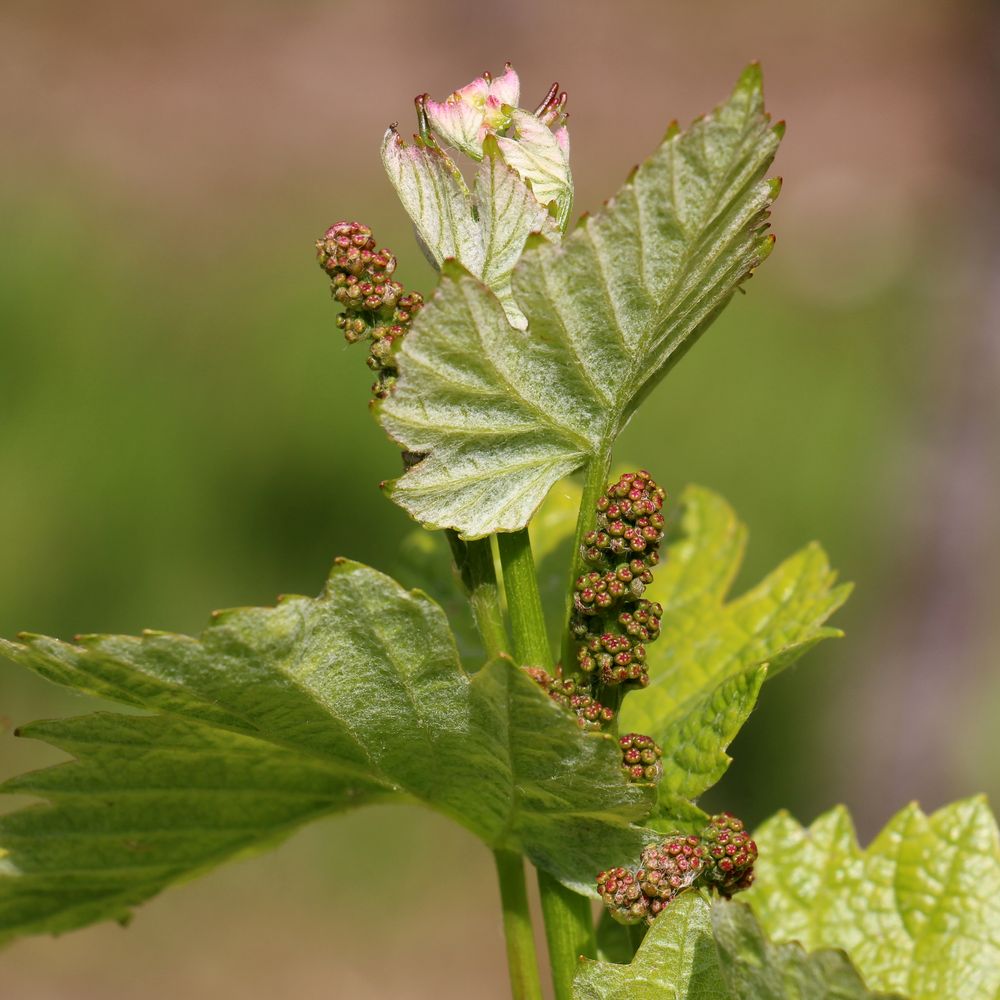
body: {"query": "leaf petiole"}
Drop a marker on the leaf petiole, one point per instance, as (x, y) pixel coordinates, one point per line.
(521, 958)
(569, 925)
(524, 602)
(569, 931)
(474, 563)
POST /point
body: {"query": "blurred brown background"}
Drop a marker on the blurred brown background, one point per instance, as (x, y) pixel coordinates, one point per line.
(182, 428)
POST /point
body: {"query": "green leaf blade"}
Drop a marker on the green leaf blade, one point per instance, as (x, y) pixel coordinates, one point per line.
(694, 740)
(756, 969)
(609, 310)
(918, 911)
(566, 804)
(275, 716)
(697, 949)
(677, 960)
(148, 802)
(713, 653)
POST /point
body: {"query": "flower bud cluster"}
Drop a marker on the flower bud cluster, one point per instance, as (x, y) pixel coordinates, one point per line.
(611, 620)
(640, 758)
(731, 854)
(721, 857)
(668, 869)
(572, 695)
(376, 306)
(623, 895)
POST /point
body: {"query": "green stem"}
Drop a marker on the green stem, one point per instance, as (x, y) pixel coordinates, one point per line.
(521, 959)
(474, 562)
(569, 927)
(569, 931)
(595, 479)
(524, 602)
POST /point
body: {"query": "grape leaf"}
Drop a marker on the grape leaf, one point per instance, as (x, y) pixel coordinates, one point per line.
(699, 950)
(756, 969)
(677, 960)
(499, 414)
(708, 664)
(918, 911)
(150, 801)
(277, 715)
(485, 230)
(542, 158)
(695, 736)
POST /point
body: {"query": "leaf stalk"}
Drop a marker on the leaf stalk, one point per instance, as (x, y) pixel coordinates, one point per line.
(569, 931)
(524, 602)
(521, 958)
(474, 563)
(569, 925)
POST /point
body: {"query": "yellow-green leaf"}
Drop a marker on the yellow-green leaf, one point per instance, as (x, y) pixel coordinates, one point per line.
(713, 654)
(917, 911)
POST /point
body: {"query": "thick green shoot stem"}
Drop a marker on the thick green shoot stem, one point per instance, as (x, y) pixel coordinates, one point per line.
(474, 562)
(569, 931)
(524, 602)
(569, 926)
(521, 958)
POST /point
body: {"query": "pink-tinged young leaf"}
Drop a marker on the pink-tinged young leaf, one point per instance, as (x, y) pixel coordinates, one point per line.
(464, 119)
(541, 160)
(484, 230)
(562, 140)
(501, 415)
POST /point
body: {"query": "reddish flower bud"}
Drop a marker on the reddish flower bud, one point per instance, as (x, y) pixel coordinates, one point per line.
(573, 696)
(608, 602)
(374, 305)
(671, 867)
(731, 854)
(640, 758)
(623, 896)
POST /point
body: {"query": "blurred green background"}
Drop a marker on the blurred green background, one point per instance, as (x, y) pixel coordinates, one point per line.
(182, 427)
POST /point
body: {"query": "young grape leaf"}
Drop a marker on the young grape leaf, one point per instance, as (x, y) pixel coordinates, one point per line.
(918, 911)
(695, 736)
(499, 414)
(699, 950)
(274, 716)
(756, 969)
(541, 157)
(712, 656)
(677, 960)
(486, 111)
(485, 230)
